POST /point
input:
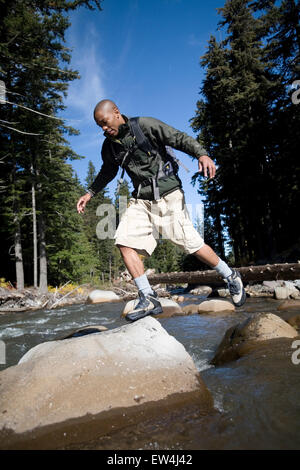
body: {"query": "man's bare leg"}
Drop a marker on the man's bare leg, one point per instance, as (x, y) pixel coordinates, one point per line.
(132, 261)
(207, 255)
(233, 277)
(149, 303)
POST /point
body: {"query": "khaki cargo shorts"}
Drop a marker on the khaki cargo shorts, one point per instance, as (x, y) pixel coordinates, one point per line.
(143, 221)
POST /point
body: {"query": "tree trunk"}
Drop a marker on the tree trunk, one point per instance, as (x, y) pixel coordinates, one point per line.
(43, 257)
(268, 272)
(35, 265)
(19, 256)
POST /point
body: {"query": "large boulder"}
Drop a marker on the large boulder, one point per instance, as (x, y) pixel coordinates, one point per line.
(99, 296)
(240, 339)
(169, 306)
(215, 305)
(58, 381)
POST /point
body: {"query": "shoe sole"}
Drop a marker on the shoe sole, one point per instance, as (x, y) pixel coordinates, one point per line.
(132, 317)
(242, 301)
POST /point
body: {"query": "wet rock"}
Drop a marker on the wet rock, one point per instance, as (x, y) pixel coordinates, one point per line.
(294, 321)
(85, 330)
(296, 283)
(201, 290)
(282, 293)
(215, 305)
(99, 296)
(180, 298)
(161, 292)
(170, 308)
(239, 338)
(190, 309)
(258, 290)
(295, 294)
(223, 292)
(85, 376)
(271, 285)
(289, 304)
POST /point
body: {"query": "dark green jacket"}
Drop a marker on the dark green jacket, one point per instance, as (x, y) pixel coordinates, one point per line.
(139, 165)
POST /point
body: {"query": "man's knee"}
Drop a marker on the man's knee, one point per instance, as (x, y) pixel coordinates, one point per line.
(124, 249)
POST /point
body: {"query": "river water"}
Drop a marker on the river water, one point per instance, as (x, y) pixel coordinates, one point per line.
(256, 398)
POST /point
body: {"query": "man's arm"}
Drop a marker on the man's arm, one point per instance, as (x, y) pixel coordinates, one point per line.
(159, 131)
(108, 171)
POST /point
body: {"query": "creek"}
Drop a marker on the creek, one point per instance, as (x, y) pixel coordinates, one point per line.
(256, 398)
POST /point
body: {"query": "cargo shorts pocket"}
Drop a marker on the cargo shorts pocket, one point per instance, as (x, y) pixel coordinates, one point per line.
(191, 240)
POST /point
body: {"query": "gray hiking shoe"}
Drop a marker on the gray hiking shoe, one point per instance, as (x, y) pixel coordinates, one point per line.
(147, 305)
(236, 288)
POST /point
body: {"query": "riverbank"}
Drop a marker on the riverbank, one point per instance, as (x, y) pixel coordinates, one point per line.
(13, 300)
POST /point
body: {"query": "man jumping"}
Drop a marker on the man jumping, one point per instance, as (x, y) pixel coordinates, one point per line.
(139, 146)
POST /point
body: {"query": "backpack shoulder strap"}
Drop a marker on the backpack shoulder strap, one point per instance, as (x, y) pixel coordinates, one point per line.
(141, 140)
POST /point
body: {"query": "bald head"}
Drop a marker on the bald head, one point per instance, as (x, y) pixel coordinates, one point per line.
(104, 105)
(108, 116)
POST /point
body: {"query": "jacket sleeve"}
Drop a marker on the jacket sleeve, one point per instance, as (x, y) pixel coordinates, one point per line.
(107, 172)
(159, 131)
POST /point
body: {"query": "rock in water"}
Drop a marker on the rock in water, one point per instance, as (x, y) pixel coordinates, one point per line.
(99, 296)
(169, 306)
(190, 309)
(288, 304)
(80, 377)
(215, 305)
(282, 293)
(201, 290)
(239, 338)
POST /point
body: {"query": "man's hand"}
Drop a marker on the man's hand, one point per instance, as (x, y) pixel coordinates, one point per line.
(206, 164)
(82, 202)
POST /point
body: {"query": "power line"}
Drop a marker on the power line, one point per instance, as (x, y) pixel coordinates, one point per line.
(17, 130)
(32, 110)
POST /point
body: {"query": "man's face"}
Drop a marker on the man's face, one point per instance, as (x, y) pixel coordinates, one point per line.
(109, 120)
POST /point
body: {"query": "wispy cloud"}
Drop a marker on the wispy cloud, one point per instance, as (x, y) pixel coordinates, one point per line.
(194, 41)
(83, 94)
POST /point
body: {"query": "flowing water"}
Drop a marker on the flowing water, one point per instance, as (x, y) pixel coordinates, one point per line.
(256, 398)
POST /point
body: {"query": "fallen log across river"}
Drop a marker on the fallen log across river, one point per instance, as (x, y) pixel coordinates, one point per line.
(267, 272)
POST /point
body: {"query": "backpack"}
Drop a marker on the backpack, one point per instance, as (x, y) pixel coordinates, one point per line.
(168, 164)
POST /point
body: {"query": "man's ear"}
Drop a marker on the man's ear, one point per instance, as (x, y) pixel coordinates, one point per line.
(116, 112)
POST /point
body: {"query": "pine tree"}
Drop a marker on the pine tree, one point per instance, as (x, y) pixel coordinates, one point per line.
(31, 46)
(238, 122)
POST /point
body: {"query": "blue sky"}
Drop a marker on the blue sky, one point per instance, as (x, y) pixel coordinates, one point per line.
(144, 55)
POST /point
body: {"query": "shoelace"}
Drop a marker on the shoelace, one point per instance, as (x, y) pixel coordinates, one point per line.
(234, 287)
(141, 301)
